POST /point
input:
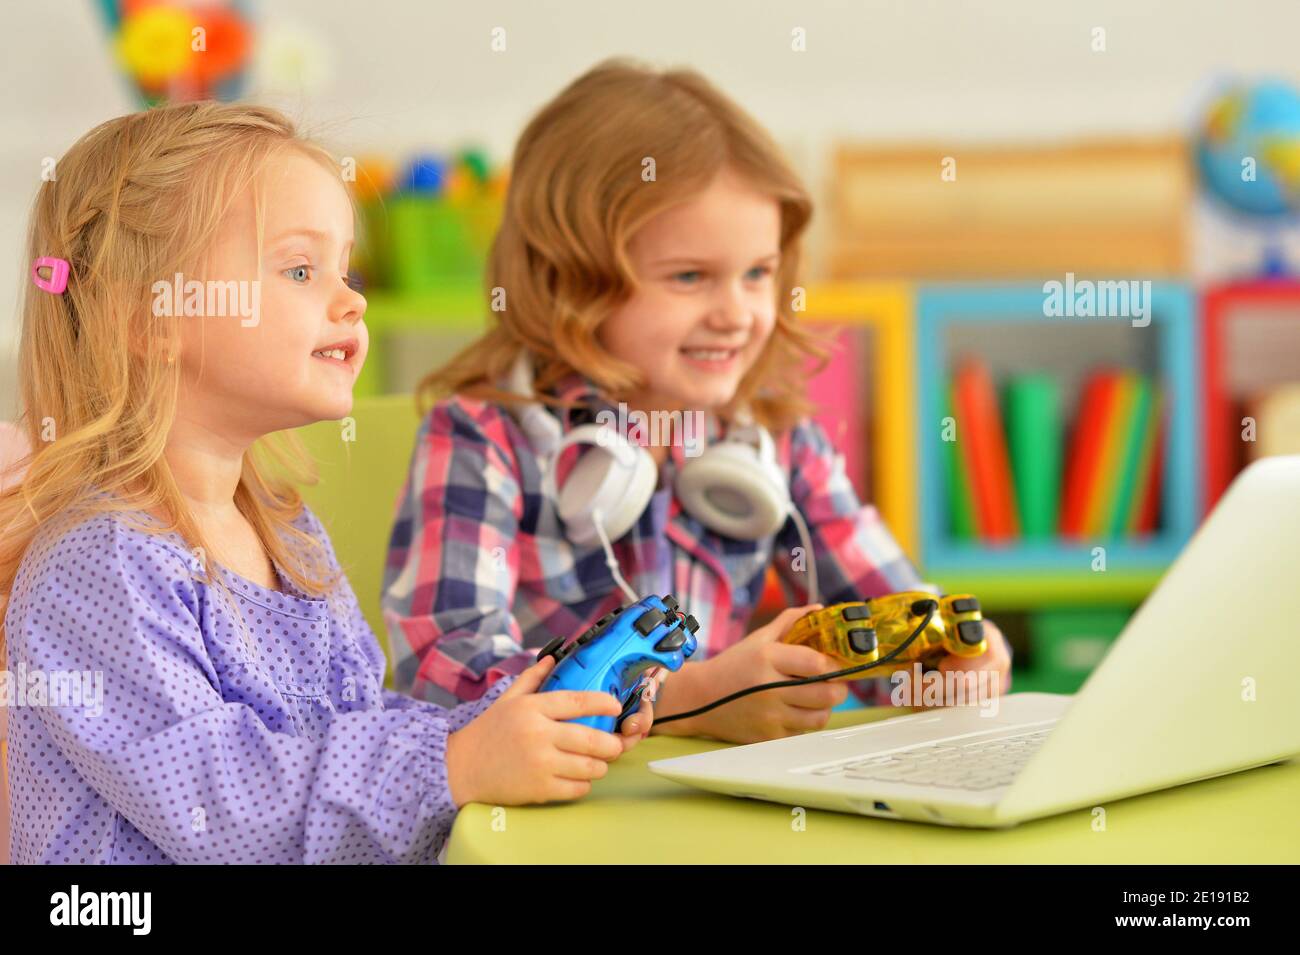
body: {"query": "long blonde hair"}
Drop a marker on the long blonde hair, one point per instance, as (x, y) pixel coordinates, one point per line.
(136, 200)
(577, 196)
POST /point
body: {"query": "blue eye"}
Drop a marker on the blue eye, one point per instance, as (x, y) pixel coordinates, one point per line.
(757, 272)
(299, 273)
(686, 278)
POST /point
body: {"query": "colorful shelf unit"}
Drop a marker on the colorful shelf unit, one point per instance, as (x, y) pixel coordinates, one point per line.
(874, 323)
(1251, 336)
(1005, 325)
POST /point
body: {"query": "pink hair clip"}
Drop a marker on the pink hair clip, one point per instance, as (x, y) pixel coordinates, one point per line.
(58, 280)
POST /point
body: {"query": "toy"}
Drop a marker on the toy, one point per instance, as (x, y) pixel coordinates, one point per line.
(866, 631)
(615, 653)
(425, 174)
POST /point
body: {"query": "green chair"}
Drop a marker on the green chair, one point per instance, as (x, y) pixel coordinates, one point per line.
(363, 462)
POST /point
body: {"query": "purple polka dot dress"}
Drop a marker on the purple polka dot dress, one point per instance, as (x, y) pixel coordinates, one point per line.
(191, 742)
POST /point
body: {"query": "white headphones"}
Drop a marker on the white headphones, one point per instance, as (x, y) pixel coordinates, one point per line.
(735, 488)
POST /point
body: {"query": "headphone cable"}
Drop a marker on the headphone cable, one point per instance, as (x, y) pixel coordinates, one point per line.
(610, 560)
(810, 558)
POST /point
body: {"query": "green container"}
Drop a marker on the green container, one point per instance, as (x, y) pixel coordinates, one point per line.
(434, 241)
(482, 218)
(427, 243)
(1067, 644)
(373, 256)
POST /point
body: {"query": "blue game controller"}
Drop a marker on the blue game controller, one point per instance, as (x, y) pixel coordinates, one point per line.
(613, 655)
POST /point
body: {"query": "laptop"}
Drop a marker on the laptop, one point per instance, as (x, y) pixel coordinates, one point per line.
(1203, 681)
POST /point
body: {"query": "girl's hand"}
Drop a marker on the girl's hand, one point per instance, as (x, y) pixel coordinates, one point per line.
(759, 658)
(520, 749)
(637, 726)
(995, 659)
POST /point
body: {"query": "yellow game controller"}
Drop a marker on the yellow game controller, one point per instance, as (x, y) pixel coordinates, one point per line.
(868, 630)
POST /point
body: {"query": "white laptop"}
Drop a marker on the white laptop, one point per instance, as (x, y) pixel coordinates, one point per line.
(1203, 681)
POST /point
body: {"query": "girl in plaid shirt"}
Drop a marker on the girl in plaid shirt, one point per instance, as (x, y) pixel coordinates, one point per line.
(646, 262)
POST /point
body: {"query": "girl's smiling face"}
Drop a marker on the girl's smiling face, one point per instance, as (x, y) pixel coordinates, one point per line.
(705, 304)
(248, 377)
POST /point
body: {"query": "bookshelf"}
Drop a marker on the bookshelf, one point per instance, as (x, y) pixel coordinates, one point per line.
(1005, 324)
(1251, 335)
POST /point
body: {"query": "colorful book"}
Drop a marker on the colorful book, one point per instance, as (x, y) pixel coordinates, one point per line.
(961, 508)
(1087, 443)
(1034, 440)
(1149, 515)
(1136, 432)
(1105, 485)
(984, 447)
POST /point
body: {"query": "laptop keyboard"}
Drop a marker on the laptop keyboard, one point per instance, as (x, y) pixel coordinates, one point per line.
(951, 764)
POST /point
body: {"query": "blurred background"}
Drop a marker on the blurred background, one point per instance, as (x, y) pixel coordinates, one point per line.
(967, 159)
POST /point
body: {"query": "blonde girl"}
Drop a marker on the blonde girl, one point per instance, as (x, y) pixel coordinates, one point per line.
(236, 710)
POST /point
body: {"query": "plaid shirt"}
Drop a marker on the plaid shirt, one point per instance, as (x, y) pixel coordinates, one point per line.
(480, 574)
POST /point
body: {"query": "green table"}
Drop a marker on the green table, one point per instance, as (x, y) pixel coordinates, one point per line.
(633, 815)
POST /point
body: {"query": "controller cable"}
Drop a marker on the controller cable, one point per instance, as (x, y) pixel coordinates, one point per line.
(811, 570)
(932, 607)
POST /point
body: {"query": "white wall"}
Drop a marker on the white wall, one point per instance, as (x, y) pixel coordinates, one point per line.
(407, 74)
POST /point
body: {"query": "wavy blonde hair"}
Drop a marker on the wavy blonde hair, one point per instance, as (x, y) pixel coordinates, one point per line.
(138, 199)
(575, 199)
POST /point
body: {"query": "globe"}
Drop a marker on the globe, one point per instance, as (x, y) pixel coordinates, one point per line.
(1248, 150)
